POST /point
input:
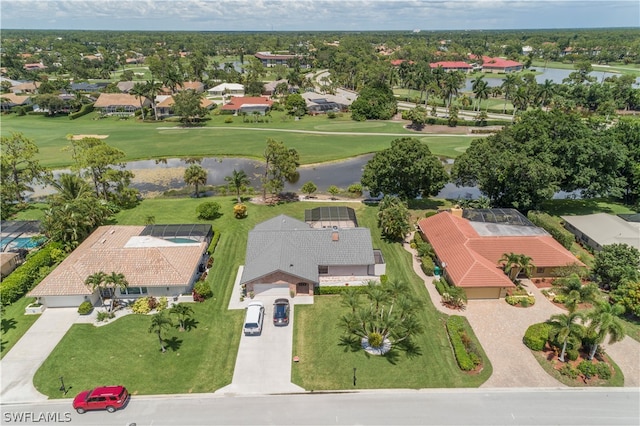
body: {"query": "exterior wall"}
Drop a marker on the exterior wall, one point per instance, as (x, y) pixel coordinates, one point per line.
(348, 270)
(68, 301)
(582, 237)
(483, 292)
(279, 278)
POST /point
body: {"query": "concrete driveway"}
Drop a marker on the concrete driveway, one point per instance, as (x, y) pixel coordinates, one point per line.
(263, 365)
(20, 364)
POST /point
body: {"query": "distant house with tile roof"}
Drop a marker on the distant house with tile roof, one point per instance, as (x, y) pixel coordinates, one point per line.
(500, 65)
(10, 100)
(29, 87)
(197, 86)
(469, 251)
(287, 255)
(452, 66)
(165, 106)
(269, 59)
(119, 103)
(233, 89)
(156, 260)
(248, 104)
(601, 229)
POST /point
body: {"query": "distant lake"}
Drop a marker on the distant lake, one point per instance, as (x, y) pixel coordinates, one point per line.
(556, 75)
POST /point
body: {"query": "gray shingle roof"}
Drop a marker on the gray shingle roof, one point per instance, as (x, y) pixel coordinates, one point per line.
(291, 246)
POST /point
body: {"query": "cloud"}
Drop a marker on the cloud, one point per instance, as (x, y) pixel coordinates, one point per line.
(227, 15)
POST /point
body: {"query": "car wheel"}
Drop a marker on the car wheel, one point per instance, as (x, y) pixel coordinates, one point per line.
(80, 410)
(111, 409)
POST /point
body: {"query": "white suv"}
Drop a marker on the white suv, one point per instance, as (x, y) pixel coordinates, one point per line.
(254, 318)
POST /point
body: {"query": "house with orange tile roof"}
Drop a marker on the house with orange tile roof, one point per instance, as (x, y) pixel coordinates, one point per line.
(469, 251)
(156, 260)
(500, 65)
(247, 104)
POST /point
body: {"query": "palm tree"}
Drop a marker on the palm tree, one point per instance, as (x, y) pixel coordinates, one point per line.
(475, 84)
(96, 281)
(238, 180)
(195, 175)
(116, 281)
(183, 312)
(351, 299)
(605, 321)
(71, 187)
(481, 92)
(546, 91)
(159, 323)
(510, 263)
(575, 292)
(520, 101)
(140, 92)
(509, 85)
(152, 88)
(565, 329)
(525, 265)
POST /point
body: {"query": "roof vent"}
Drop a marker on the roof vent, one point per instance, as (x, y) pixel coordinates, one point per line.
(335, 236)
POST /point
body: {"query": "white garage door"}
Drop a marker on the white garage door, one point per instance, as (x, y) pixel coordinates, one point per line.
(280, 290)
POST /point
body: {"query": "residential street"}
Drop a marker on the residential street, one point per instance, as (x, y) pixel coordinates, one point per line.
(598, 406)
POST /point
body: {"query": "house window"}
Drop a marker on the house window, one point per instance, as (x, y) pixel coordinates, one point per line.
(539, 270)
(133, 290)
(323, 269)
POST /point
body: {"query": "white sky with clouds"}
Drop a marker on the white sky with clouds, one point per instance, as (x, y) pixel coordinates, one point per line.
(316, 15)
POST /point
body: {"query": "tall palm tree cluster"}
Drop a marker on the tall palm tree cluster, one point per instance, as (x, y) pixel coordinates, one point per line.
(515, 264)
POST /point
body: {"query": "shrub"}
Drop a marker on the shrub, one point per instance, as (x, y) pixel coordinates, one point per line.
(572, 354)
(141, 306)
(427, 265)
(84, 110)
(214, 241)
(152, 302)
(209, 210)
(375, 339)
(560, 298)
(384, 278)
(27, 275)
(103, 316)
(441, 286)
(355, 188)
(603, 370)
(457, 336)
(430, 213)
(162, 304)
(536, 336)
(425, 249)
(85, 308)
(202, 291)
(567, 370)
(587, 368)
(337, 289)
(331, 114)
(547, 222)
(228, 120)
(240, 211)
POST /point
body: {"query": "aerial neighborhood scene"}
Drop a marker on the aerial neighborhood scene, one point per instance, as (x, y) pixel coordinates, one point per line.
(213, 213)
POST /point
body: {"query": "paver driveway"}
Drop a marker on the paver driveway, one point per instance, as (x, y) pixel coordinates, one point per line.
(500, 329)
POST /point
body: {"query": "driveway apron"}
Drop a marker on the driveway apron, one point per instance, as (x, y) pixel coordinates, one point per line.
(20, 364)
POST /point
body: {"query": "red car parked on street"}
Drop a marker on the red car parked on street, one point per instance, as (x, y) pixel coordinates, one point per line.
(108, 398)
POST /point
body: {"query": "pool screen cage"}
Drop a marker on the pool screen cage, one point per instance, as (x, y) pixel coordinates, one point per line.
(196, 232)
(501, 216)
(330, 214)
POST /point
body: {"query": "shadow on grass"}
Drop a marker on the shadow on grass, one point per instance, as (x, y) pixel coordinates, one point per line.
(8, 324)
(190, 324)
(350, 343)
(173, 343)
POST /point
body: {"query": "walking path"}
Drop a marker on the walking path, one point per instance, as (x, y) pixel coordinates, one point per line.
(501, 327)
(20, 364)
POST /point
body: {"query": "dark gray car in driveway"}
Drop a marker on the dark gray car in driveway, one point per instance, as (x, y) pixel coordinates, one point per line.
(281, 312)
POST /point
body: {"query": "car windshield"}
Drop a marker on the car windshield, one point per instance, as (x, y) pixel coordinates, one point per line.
(280, 311)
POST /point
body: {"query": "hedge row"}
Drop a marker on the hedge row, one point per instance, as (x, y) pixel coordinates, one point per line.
(337, 289)
(86, 109)
(427, 265)
(561, 235)
(27, 275)
(455, 328)
(536, 336)
(214, 241)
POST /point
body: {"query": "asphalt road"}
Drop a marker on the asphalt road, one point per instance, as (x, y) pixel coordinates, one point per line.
(601, 406)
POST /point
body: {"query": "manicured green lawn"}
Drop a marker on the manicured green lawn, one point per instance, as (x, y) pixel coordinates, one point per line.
(631, 327)
(15, 323)
(165, 140)
(325, 363)
(586, 206)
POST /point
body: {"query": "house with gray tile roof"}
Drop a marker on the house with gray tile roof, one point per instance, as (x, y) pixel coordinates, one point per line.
(285, 255)
(601, 229)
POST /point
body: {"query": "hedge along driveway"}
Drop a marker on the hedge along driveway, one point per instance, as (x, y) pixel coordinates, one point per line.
(154, 140)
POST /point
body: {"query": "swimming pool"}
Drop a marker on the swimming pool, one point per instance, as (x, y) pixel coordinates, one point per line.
(19, 243)
(182, 240)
